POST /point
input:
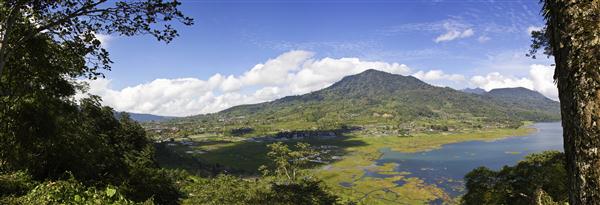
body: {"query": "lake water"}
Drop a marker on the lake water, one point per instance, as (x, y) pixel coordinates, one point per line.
(447, 166)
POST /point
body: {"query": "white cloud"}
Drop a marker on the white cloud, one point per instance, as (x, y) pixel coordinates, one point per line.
(543, 80)
(291, 73)
(453, 28)
(497, 80)
(104, 39)
(508, 62)
(539, 79)
(531, 29)
(483, 39)
(454, 31)
(276, 71)
(435, 75)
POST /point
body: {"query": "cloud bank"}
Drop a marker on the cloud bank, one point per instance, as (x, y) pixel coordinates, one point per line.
(291, 73)
(539, 79)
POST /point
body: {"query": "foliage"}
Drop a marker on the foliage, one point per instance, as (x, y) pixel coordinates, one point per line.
(538, 177)
(289, 181)
(15, 184)
(76, 25)
(45, 46)
(70, 192)
(539, 41)
(146, 181)
(97, 150)
(288, 164)
(225, 189)
(303, 191)
(286, 183)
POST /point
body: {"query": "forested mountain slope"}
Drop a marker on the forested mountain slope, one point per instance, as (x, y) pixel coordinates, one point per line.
(378, 98)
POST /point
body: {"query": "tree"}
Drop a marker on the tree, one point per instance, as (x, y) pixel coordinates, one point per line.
(286, 182)
(289, 165)
(45, 45)
(539, 179)
(76, 23)
(571, 35)
(289, 181)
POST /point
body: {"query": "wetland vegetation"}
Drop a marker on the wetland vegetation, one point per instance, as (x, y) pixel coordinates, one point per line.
(346, 163)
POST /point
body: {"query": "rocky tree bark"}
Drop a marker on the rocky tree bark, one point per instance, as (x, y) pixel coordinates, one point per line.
(572, 36)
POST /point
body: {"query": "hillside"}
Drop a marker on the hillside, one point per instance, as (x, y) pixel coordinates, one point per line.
(523, 98)
(144, 117)
(376, 99)
(478, 91)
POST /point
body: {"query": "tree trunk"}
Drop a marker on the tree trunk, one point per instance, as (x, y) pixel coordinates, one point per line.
(581, 139)
(571, 29)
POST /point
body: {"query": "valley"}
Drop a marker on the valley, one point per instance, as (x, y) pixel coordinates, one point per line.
(350, 164)
(352, 125)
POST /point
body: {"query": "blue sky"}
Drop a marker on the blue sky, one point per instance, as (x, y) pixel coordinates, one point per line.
(447, 43)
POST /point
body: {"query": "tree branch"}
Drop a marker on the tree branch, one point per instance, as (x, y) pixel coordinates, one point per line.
(7, 29)
(84, 10)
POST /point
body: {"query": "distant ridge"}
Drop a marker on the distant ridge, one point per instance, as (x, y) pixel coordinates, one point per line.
(477, 91)
(524, 98)
(374, 96)
(518, 92)
(144, 117)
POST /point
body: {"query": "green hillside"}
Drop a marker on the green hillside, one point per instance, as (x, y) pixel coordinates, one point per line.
(381, 101)
(526, 103)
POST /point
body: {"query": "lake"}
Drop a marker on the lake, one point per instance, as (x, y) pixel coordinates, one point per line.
(447, 166)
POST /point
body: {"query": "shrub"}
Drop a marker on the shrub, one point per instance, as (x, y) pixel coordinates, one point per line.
(71, 192)
(15, 184)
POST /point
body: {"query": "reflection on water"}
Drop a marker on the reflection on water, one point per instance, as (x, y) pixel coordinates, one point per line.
(447, 166)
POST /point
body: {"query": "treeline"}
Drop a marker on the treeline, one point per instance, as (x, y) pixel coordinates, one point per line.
(539, 179)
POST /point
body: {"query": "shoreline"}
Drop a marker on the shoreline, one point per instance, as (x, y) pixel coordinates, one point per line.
(352, 169)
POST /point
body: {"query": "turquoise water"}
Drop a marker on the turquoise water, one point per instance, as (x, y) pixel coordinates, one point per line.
(447, 166)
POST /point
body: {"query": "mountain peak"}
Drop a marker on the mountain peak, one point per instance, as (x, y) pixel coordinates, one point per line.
(515, 90)
(374, 82)
(477, 91)
(373, 71)
(518, 92)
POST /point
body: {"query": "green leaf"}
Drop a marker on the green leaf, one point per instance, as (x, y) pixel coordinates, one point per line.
(110, 192)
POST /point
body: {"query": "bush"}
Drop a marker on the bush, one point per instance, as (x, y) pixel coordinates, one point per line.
(147, 182)
(70, 192)
(225, 189)
(15, 184)
(305, 191)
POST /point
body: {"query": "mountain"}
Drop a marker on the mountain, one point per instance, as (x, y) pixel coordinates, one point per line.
(376, 98)
(477, 91)
(519, 93)
(523, 98)
(144, 117)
